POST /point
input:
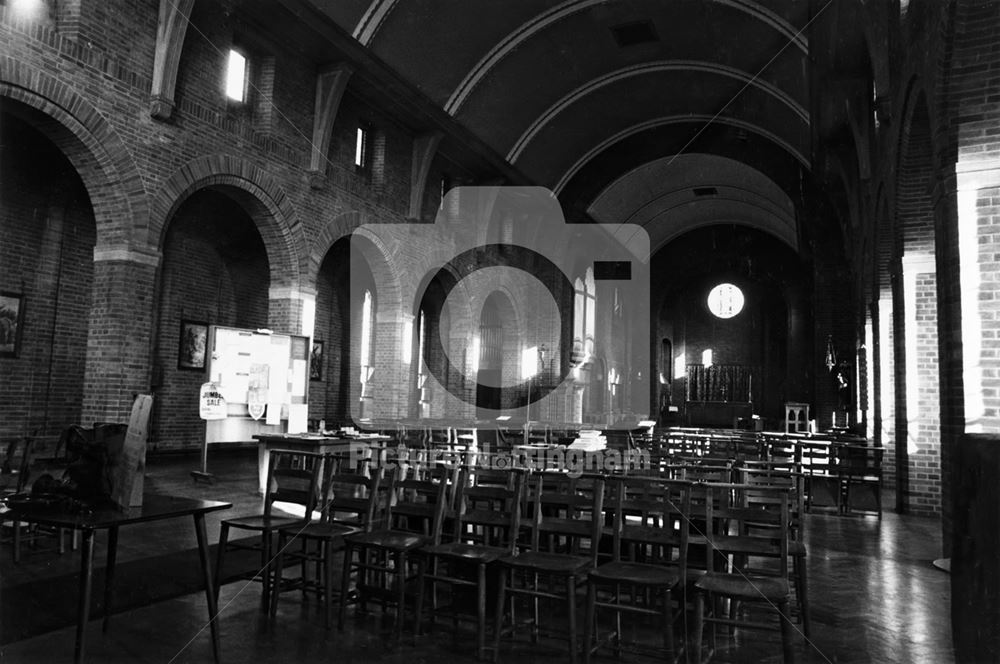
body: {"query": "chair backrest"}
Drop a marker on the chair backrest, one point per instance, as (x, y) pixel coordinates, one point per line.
(419, 505)
(351, 491)
(293, 477)
(785, 475)
(651, 519)
(566, 508)
(747, 519)
(489, 513)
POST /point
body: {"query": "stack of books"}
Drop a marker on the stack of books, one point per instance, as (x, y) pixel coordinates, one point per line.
(589, 440)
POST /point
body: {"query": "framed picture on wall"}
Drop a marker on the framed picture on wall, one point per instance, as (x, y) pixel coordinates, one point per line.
(11, 323)
(192, 345)
(316, 361)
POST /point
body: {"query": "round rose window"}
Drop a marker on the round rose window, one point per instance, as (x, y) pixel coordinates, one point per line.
(725, 300)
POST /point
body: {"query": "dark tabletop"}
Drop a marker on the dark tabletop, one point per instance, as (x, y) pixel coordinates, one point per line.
(75, 514)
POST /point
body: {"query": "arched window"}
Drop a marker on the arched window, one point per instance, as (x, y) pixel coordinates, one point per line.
(367, 344)
(590, 308)
(423, 393)
(584, 318)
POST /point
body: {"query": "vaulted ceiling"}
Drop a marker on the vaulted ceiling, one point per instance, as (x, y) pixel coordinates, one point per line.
(634, 101)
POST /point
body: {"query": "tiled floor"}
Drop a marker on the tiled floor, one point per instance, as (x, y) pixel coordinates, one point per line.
(876, 598)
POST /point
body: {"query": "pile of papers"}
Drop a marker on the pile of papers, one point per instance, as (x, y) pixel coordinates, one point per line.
(589, 440)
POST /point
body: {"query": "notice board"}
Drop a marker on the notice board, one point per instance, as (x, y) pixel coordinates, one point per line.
(258, 371)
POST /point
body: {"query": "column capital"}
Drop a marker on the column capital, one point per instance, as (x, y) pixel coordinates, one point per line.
(302, 293)
(127, 254)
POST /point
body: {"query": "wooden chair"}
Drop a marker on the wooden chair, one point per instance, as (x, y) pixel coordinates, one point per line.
(292, 477)
(348, 505)
(486, 524)
(733, 517)
(413, 517)
(860, 467)
(789, 476)
(648, 557)
(520, 572)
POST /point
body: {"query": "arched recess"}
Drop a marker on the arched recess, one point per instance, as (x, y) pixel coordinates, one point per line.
(915, 329)
(260, 194)
(90, 143)
(215, 271)
(118, 202)
(498, 364)
(47, 238)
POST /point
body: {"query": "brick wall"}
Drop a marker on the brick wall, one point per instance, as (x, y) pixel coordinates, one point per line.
(46, 240)
(214, 271)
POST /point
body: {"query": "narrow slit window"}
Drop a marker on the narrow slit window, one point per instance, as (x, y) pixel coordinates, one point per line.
(361, 148)
(236, 76)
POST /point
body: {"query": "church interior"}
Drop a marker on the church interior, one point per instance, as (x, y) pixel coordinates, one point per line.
(710, 242)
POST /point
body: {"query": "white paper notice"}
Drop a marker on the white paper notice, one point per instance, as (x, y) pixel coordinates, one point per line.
(299, 378)
(298, 418)
(273, 414)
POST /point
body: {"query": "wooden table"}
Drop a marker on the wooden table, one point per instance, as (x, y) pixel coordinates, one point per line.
(111, 518)
(304, 442)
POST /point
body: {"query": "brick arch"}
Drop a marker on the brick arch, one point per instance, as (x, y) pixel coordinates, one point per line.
(384, 270)
(92, 146)
(337, 228)
(259, 194)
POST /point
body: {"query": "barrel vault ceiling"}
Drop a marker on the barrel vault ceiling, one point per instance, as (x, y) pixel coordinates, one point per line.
(670, 113)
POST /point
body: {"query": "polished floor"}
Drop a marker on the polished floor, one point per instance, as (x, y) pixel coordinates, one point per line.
(875, 594)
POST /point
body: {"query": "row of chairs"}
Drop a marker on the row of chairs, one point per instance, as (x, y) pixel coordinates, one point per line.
(655, 540)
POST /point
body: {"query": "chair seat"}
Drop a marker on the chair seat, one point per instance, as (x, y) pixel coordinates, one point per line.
(393, 540)
(324, 531)
(636, 573)
(760, 546)
(263, 522)
(555, 563)
(770, 588)
(467, 552)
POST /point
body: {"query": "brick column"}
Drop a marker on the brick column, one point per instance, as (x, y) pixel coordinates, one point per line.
(119, 333)
(291, 310)
(391, 378)
(923, 407)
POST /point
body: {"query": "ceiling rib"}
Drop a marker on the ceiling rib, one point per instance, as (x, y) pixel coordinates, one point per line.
(372, 20)
(646, 68)
(676, 119)
(566, 9)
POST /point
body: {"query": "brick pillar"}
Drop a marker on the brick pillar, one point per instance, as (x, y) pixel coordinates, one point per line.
(798, 361)
(974, 460)
(119, 333)
(391, 398)
(291, 310)
(923, 407)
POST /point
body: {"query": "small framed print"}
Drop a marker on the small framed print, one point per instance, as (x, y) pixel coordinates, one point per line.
(11, 323)
(316, 361)
(192, 345)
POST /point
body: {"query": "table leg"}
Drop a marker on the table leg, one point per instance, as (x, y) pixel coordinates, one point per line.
(83, 602)
(206, 572)
(109, 575)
